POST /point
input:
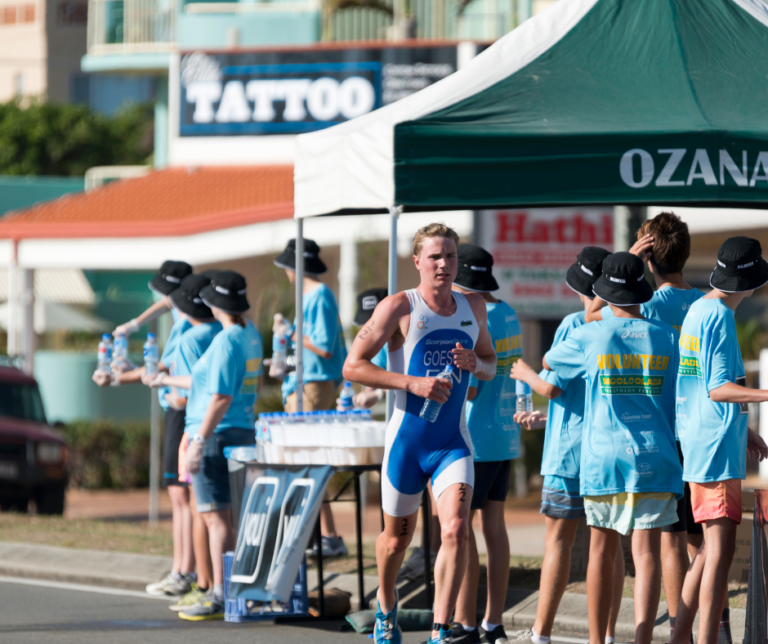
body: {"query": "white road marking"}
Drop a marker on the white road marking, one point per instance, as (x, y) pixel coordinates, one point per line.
(568, 640)
(102, 590)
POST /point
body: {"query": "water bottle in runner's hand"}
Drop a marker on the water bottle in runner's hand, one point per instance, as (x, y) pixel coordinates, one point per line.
(150, 354)
(347, 393)
(524, 396)
(278, 351)
(105, 353)
(431, 408)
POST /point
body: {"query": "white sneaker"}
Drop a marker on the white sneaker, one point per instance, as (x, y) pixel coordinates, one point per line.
(413, 569)
(170, 586)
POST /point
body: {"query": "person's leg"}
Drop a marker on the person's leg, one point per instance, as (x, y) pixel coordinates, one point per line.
(221, 535)
(695, 541)
(688, 605)
(720, 537)
(201, 546)
(434, 524)
(554, 571)
(466, 602)
(450, 566)
(183, 555)
(390, 552)
(603, 546)
(646, 551)
(497, 549)
(674, 565)
(618, 593)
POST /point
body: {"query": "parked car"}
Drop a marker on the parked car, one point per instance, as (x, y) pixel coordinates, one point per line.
(33, 454)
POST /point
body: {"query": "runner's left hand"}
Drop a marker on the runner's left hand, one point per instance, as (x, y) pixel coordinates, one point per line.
(193, 457)
(757, 450)
(464, 358)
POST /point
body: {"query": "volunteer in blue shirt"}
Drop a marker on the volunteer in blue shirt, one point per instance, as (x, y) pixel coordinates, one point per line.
(561, 500)
(495, 442)
(224, 386)
(167, 280)
(323, 356)
(712, 399)
(191, 346)
(630, 470)
(665, 244)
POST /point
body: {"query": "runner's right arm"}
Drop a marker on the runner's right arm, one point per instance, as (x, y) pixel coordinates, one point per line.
(385, 324)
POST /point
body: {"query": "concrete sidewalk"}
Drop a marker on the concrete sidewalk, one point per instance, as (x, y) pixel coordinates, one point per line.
(114, 569)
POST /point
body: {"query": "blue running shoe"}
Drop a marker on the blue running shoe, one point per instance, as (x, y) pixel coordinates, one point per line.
(444, 637)
(386, 630)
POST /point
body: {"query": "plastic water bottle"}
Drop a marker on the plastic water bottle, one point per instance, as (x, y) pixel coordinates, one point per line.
(278, 351)
(105, 353)
(524, 396)
(346, 396)
(120, 350)
(150, 354)
(431, 408)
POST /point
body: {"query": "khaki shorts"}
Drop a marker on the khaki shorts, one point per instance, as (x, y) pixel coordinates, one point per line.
(319, 395)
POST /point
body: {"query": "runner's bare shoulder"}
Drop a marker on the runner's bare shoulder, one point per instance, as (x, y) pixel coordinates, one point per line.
(393, 311)
(477, 304)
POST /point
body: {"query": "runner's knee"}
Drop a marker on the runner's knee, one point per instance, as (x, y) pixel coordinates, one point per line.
(454, 531)
(396, 545)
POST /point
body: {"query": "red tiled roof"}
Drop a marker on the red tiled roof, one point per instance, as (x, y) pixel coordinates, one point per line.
(164, 203)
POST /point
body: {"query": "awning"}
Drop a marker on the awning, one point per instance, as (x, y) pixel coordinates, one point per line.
(589, 102)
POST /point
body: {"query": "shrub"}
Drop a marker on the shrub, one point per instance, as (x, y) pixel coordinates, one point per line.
(108, 454)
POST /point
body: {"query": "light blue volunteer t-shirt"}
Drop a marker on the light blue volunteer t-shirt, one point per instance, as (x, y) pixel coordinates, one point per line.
(630, 367)
(180, 326)
(192, 345)
(495, 435)
(231, 366)
(380, 359)
(565, 416)
(713, 435)
(323, 329)
(668, 304)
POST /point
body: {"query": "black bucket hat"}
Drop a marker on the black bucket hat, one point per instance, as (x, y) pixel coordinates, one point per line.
(312, 262)
(366, 302)
(169, 277)
(475, 269)
(187, 298)
(226, 292)
(587, 269)
(623, 281)
(740, 266)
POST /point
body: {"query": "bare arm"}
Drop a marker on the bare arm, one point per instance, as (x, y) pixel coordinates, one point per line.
(595, 311)
(326, 355)
(217, 407)
(152, 313)
(471, 393)
(730, 392)
(383, 326)
(521, 371)
(165, 380)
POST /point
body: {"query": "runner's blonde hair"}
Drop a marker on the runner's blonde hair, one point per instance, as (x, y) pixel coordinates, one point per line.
(433, 230)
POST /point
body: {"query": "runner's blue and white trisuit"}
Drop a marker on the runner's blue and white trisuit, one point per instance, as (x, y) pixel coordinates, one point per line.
(416, 449)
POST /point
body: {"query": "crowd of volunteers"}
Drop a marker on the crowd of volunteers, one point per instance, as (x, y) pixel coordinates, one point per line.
(645, 433)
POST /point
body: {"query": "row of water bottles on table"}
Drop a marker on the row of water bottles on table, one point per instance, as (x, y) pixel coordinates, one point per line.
(320, 438)
(113, 357)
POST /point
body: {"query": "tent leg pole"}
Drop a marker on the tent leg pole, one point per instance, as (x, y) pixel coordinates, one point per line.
(394, 213)
(299, 315)
(28, 316)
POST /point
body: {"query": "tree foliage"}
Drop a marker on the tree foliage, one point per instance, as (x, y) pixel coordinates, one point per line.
(61, 139)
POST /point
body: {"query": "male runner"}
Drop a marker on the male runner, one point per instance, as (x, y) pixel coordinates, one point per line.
(426, 328)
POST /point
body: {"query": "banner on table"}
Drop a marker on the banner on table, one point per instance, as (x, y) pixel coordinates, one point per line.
(532, 250)
(279, 510)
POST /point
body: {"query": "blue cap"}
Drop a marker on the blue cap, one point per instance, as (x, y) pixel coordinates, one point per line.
(150, 336)
(522, 388)
(106, 336)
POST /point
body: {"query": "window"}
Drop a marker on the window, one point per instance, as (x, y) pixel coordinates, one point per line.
(26, 13)
(20, 400)
(8, 15)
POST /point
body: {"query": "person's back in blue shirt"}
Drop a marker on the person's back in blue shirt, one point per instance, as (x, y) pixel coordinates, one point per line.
(322, 328)
(495, 435)
(180, 326)
(191, 347)
(713, 435)
(630, 366)
(565, 416)
(231, 366)
(668, 304)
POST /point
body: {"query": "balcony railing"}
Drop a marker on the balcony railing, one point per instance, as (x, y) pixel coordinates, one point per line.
(131, 25)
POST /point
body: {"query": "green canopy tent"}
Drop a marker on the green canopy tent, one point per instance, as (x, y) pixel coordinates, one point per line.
(589, 102)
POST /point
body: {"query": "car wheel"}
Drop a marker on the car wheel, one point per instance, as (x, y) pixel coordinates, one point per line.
(50, 500)
(19, 504)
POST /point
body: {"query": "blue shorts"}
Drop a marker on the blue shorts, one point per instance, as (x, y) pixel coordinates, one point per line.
(211, 483)
(560, 498)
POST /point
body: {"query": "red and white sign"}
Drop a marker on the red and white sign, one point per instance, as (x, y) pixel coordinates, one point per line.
(532, 249)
